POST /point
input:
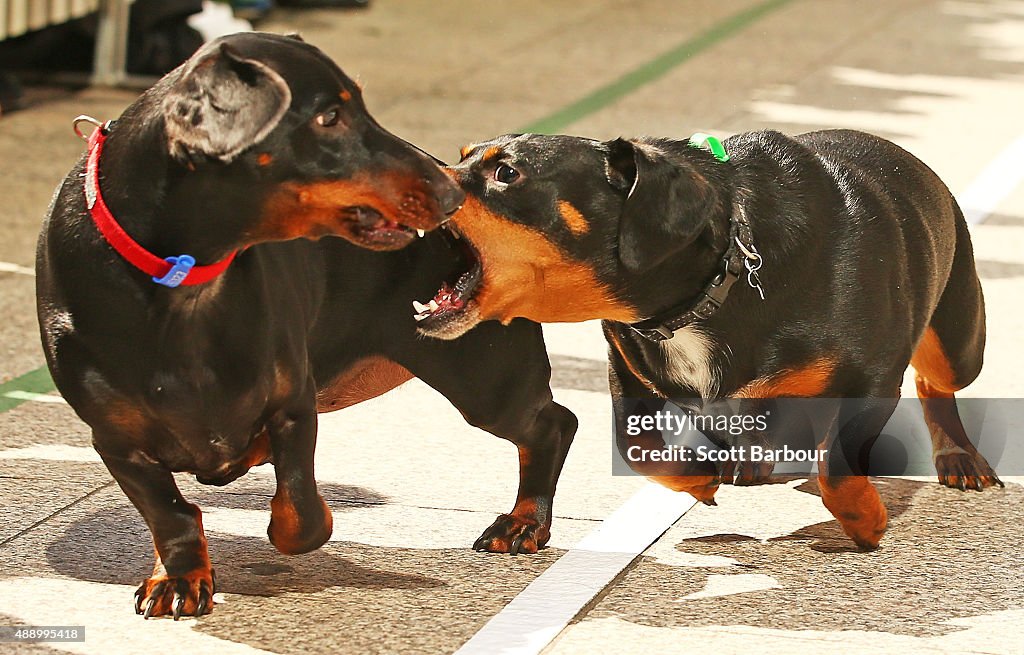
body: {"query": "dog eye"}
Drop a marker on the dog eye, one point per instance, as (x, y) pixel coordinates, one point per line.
(505, 174)
(329, 118)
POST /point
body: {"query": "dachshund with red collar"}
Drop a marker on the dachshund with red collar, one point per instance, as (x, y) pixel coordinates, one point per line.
(197, 309)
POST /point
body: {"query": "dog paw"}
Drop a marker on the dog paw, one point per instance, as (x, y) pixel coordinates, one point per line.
(962, 470)
(296, 529)
(513, 535)
(187, 595)
(746, 473)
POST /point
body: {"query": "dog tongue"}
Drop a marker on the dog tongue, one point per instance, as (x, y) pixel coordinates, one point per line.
(445, 299)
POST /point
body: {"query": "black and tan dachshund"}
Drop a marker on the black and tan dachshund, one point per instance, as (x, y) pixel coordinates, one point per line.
(860, 252)
(192, 315)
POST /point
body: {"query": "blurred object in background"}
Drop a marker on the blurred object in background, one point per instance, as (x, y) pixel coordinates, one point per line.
(160, 35)
(216, 20)
(10, 92)
(255, 10)
(310, 4)
(159, 38)
(252, 10)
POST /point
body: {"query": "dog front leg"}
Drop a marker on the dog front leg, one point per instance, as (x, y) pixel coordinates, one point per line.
(300, 520)
(543, 446)
(182, 582)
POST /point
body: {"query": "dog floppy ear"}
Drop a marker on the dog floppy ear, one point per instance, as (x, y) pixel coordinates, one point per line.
(222, 104)
(667, 206)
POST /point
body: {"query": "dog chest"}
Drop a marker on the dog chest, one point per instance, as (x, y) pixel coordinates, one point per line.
(689, 363)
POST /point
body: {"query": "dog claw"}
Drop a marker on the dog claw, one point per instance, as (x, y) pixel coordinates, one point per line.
(965, 471)
(516, 545)
(513, 535)
(190, 595)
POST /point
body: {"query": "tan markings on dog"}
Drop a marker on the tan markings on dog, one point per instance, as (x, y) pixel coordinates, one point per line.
(526, 275)
(855, 503)
(367, 378)
(931, 363)
(957, 460)
(491, 153)
(524, 515)
(573, 219)
(805, 382)
(286, 523)
(202, 572)
(699, 479)
(127, 417)
(288, 529)
(524, 457)
(324, 208)
(525, 508)
(264, 159)
(345, 95)
(701, 487)
(259, 452)
(465, 150)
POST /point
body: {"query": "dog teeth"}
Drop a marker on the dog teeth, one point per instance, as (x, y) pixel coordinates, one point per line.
(421, 317)
(433, 305)
(421, 233)
(419, 307)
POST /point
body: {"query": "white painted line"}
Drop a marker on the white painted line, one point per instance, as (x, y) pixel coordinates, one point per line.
(35, 397)
(541, 611)
(52, 453)
(110, 625)
(994, 183)
(7, 267)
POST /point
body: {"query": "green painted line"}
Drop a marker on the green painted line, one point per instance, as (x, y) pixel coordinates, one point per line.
(652, 70)
(35, 397)
(17, 391)
(39, 381)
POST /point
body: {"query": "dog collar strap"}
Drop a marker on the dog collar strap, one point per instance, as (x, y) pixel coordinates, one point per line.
(168, 271)
(741, 254)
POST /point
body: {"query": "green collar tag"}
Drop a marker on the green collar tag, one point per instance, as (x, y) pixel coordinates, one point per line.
(699, 140)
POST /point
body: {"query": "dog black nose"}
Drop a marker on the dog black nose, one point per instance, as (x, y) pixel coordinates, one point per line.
(450, 198)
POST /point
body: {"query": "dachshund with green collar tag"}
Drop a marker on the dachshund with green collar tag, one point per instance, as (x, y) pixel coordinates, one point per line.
(812, 266)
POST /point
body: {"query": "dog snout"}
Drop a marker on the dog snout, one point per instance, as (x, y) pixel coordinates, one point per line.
(450, 197)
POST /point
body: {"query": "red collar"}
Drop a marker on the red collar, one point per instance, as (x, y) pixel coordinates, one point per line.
(169, 271)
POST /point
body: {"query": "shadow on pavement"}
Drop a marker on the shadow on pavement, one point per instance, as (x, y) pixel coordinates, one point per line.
(114, 547)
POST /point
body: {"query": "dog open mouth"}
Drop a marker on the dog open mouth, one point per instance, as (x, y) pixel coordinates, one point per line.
(452, 311)
(369, 228)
